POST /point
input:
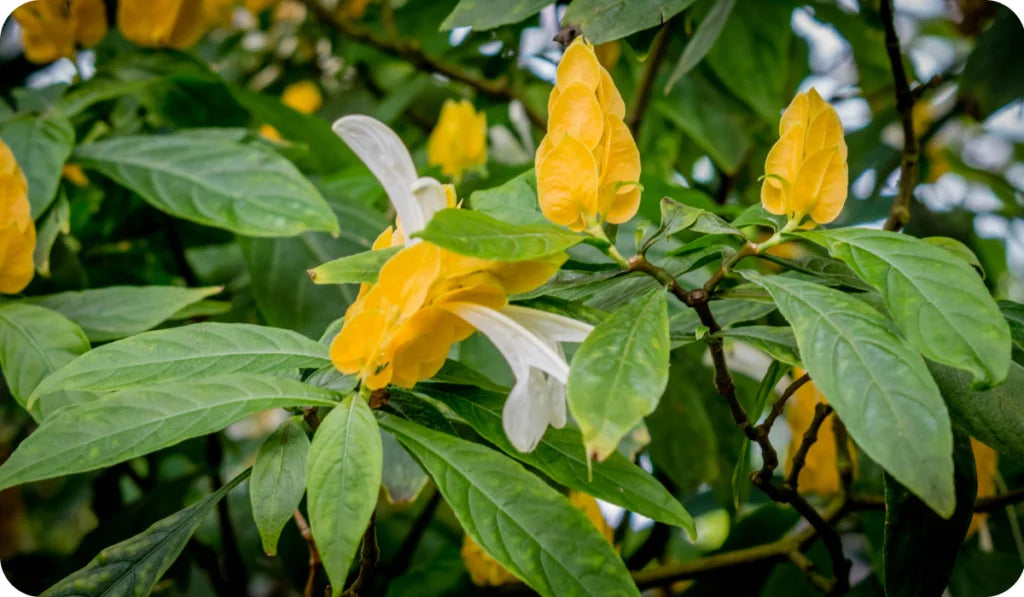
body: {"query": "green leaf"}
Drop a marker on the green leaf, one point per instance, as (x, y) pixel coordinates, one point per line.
(515, 201)
(354, 269)
(119, 311)
(741, 472)
(1014, 314)
(757, 215)
(57, 221)
(187, 352)
(278, 481)
(752, 55)
(877, 383)
(35, 342)
(533, 531)
(990, 81)
(479, 235)
(41, 145)
(96, 90)
(342, 479)
(242, 188)
(911, 571)
(994, 416)
(481, 15)
(957, 248)
(684, 324)
(831, 272)
(132, 567)
(611, 294)
(137, 421)
(676, 217)
(625, 357)
(775, 341)
(703, 39)
(402, 477)
(560, 456)
(606, 20)
(939, 302)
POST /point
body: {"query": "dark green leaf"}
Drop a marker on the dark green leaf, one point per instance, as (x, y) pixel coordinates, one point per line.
(278, 481)
(756, 215)
(354, 269)
(911, 571)
(478, 235)
(132, 567)
(402, 477)
(938, 301)
(41, 145)
(57, 221)
(343, 479)
(533, 531)
(625, 357)
(241, 188)
(989, 80)
(137, 421)
(776, 342)
(703, 39)
(515, 201)
(1014, 314)
(877, 383)
(560, 456)
(605, 20)
(119, 311)
(481, 15)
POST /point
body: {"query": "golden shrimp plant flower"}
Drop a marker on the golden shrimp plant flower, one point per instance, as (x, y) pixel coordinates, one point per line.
(459, 141)
(819, 474)
(17, 231)
(50, 29)
(162, 23)
(588, 165)
(401, 328)
(806, 172)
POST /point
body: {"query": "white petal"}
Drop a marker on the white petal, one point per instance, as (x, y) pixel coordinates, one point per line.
(549, 326)
(520, 348)
(386, 156)
(525, 415)
(431, 197)
(554, 392)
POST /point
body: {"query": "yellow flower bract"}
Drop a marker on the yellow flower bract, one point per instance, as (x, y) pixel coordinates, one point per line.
(50, 29)
(161, 23)
(986, 465)
(588, 165)
(806, 172)
(459, 141)
(819, 474)
(17, 231)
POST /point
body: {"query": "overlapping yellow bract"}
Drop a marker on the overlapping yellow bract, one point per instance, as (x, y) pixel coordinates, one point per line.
(161, 23)
(486, 571)
(50, 29)
(398, 331)
(819, 474)
(459, 141)
(806, 173)
(17, 230)
(588, 165)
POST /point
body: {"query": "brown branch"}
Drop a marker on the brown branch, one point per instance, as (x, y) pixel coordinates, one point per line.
(642, 96)
(778, 405)
(368, 556)
(810, 570)
(899, 214)
(746, 250)
(821, 412)
(314, 553)
(411, 52)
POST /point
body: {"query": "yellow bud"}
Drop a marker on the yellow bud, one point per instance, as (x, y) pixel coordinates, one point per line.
(161, 23)
(74, 174)
(51, 28)
(806, 172)
(459, 141)
(819, 474)
(17, 230)
(588, 165)
(303, 96)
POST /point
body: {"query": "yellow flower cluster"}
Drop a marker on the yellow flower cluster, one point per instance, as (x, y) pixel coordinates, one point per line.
(17, 231)
(50, 29)
(806, 173)
(161, 23)
(398, 331)
(459, 141)
(819, 474)
(486, 571)
(588, 165)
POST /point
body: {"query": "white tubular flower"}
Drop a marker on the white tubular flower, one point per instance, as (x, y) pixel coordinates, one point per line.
(415, 199)
(528, 339)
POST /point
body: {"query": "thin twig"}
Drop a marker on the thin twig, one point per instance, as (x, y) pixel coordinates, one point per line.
(778, 405)
(411, 52)
(368, 556)
(806, 566)
(899, 214)
(642, 95)
(746, 250)
(314, 553)
(821, 412)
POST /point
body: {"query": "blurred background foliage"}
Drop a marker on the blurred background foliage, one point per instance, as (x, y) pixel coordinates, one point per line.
(275, 73)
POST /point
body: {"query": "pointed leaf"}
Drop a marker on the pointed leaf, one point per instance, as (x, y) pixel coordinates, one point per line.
(619, 372)
(343, 480)
(532, 531)
(132, 567)
(134, 422)
(481, 16)
(938, 301)
(41, 145)
(478, 235)
(187, 352)
(605, 20)
(703, 38)
(354, 269)
(877, 383)
(278, 481)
